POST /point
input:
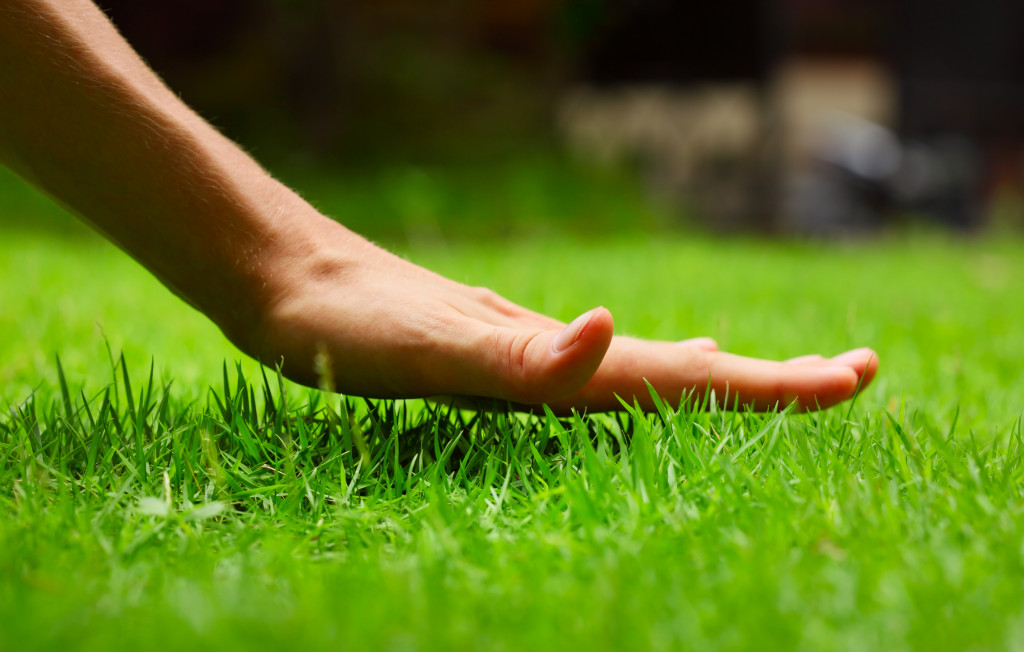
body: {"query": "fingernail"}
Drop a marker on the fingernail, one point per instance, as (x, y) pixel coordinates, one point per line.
(854, 356)
(571, 333)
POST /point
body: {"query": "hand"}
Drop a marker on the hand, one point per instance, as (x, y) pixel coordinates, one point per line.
(392, 329)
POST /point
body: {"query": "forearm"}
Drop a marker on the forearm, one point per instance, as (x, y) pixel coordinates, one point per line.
(83, 118)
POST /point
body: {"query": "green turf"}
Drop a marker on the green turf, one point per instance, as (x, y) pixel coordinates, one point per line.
(200, 505)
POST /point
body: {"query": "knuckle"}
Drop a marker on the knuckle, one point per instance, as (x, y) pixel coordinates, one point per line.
(513, 352)
(488, 297)
(699, 359)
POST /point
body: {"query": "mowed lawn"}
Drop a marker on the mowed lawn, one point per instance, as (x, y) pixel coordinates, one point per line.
(181, 498)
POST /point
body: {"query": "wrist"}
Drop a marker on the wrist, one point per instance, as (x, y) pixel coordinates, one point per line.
(293, 249)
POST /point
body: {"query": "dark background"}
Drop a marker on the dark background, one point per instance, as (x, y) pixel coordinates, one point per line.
(357, 78)
(363, 83)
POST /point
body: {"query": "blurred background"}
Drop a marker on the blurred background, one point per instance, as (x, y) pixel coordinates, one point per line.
(808, 117)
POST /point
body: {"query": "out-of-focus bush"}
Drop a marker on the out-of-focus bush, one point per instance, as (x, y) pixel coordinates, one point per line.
(357, 80)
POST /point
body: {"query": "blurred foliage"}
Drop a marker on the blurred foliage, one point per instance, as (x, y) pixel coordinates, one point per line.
(357, 81)
(534, 194)
(526, 196)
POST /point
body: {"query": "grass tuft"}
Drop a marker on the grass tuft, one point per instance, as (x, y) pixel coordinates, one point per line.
(872, 516)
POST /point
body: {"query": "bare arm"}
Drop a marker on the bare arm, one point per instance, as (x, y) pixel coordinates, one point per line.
(83, 118)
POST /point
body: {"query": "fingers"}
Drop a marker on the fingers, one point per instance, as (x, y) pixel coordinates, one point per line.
(765, 385)
(533, 361)
(810, 382)
(863, 361)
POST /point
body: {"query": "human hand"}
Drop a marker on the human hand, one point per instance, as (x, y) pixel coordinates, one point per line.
(392, 329)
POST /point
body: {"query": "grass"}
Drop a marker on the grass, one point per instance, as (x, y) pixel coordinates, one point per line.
(172, 498)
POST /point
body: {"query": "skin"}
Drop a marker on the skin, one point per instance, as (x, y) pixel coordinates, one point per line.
(84, 119)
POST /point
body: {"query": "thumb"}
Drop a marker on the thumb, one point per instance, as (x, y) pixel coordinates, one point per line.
(539, 366)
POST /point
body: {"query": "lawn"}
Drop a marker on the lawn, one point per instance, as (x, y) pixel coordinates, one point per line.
(158, 491)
